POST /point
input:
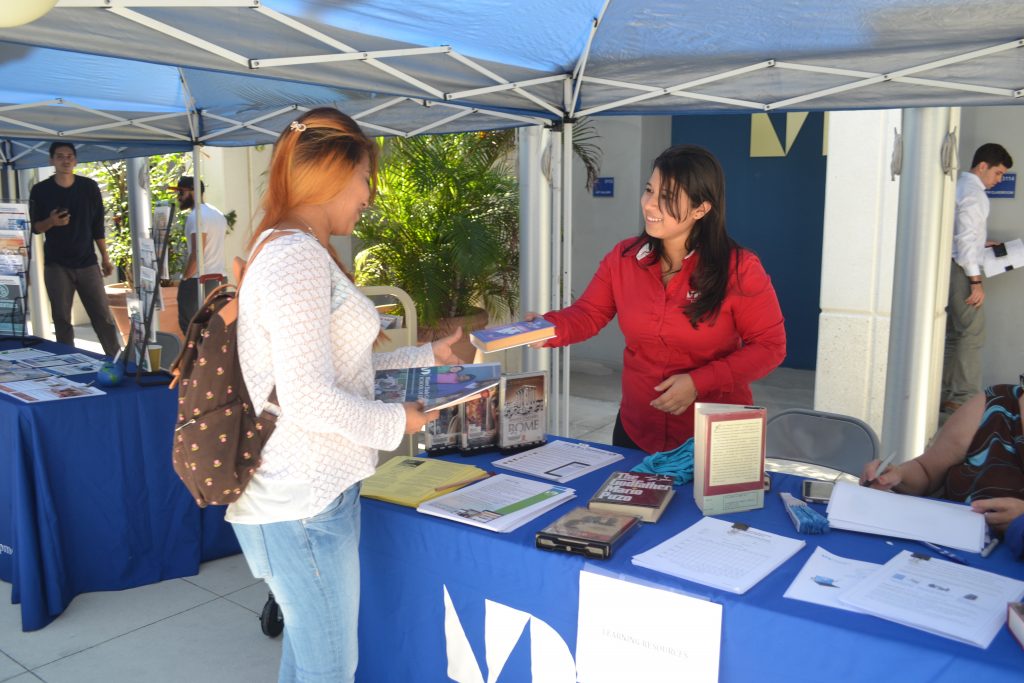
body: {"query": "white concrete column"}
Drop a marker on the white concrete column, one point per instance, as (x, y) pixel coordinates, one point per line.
(534, 235)
(861, 203)
(920, 284)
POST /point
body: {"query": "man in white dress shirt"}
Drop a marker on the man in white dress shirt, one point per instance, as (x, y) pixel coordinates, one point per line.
(215, 226)
(965, 317)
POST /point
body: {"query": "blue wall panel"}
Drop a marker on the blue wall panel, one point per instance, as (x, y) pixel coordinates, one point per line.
(775, 207)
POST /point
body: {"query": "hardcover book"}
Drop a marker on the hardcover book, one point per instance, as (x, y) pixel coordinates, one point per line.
(728, 457)
(634, 493)
(522, 409)
(438, 387)
(583, 531)
(512, 335)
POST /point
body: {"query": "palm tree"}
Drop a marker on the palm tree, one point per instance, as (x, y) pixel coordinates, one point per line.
(445, 226)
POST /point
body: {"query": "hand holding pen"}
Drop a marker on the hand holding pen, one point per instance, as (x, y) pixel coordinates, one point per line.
(870, 479)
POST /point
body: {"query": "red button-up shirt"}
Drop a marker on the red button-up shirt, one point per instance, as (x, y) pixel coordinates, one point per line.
(744, 343)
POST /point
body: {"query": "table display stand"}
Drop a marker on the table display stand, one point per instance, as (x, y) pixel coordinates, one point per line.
(154, 376)
(17, 318)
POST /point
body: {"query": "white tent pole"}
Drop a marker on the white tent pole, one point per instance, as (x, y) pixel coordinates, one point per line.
(534, 236)
(923, 247)
(566, 260)
(197, 194)
(555, 155)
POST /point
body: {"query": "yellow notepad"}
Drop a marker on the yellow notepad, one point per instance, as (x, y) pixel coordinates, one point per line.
(410, 481)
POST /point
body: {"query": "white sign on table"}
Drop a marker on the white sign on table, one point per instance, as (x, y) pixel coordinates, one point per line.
(633, 632)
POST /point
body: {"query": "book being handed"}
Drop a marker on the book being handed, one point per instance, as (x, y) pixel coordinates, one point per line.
(512, 335)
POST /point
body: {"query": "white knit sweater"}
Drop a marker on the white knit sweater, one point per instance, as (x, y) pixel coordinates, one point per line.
(306, 329)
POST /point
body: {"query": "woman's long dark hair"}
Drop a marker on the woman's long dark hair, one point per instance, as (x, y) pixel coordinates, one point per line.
(694, 172)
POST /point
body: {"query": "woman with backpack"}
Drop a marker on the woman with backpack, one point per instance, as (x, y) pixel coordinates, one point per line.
(306, 332)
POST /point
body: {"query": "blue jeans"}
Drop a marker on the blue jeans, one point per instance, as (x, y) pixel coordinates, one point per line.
(312, 567)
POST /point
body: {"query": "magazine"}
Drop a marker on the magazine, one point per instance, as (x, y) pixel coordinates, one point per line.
(438, 387)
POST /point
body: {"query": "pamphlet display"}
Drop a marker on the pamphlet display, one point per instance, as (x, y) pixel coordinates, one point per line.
(728, 457)
(585, 532)
(438, 386)
(522, 410)
(15, 246)
(634, 493)
(33, 375)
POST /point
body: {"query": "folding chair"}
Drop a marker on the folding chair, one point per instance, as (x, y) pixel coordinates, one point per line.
(385, 298)
(838, 442)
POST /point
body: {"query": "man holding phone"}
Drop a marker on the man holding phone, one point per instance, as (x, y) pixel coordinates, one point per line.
(68, 210)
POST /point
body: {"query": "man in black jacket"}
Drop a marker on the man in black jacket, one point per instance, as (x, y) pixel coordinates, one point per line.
(68, 209)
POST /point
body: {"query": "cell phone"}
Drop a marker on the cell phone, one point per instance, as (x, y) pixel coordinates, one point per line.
(816, 491)
(62, 212)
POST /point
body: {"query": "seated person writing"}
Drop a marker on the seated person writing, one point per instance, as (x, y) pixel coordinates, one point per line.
(977, 457)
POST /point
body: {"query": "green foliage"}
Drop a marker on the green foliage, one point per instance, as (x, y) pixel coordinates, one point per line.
(445, 225)
(164, 171)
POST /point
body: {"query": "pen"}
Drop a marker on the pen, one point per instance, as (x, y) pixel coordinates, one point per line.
(882, 466)
(948, 554)
(990, 547)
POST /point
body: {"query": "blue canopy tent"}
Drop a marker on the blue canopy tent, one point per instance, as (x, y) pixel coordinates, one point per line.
(136, 76)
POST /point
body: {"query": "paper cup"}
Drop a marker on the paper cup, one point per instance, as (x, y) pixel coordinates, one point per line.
(154, 356)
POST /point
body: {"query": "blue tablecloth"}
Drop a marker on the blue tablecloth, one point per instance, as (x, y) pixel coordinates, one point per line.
(89, 501)
(410, 561)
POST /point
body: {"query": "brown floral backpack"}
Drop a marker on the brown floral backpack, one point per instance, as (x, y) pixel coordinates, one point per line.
(218, 437)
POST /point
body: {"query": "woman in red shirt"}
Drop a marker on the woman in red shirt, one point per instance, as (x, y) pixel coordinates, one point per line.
(699, 314)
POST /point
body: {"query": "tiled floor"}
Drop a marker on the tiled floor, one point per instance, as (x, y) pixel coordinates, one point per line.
(206, 627)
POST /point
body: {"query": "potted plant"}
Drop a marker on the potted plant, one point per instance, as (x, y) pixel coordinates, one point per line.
(445, 228)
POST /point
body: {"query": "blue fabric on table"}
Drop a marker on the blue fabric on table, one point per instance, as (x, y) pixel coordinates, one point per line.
(89, 500)
(676, 463)
(1014, 537)
(412, 563)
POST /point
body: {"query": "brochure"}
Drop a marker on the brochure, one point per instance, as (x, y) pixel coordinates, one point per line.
(438, 386)
(501, 503)
(48, 389)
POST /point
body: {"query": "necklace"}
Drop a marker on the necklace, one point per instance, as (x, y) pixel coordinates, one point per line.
(306, 227)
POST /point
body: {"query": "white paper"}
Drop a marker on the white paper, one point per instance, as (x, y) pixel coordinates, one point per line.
(632, 632)
(23, 353)
(48, 389)
(859, 508)
(147, 276)
(993, 265)
(559, 461)
(825, 577)
(717, 553)
(501, 503)
(947, 599)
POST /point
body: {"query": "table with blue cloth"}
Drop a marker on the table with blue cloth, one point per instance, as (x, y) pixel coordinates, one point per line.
(412, 563)
(89, 500)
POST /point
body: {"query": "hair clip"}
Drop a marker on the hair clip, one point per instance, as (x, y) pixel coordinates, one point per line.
(296, 126)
